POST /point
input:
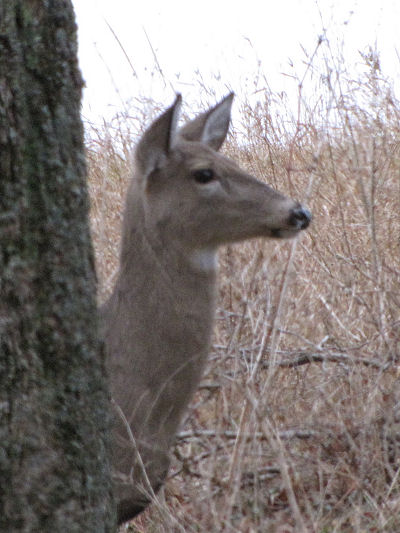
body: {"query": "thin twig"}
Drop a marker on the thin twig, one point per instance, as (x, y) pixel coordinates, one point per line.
(259, 435)
(304, 358)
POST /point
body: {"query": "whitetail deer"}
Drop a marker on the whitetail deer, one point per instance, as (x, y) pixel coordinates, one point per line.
(184, 201)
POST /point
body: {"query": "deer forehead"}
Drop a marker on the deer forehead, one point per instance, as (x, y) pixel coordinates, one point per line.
(205, 159)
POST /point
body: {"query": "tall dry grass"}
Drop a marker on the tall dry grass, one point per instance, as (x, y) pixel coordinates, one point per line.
(296, 426)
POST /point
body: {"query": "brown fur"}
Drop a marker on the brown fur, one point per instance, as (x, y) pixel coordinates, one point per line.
(158, 321)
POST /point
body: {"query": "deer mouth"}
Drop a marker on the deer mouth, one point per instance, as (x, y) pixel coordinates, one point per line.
(281, 233)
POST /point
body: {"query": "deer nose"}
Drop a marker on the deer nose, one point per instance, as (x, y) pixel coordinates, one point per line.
(300, 217)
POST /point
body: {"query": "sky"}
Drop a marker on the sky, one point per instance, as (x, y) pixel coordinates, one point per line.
(152, 49)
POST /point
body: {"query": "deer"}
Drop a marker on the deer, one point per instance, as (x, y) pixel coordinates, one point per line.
(184, 201)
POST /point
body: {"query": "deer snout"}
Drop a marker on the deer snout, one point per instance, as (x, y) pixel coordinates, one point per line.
(300, 217)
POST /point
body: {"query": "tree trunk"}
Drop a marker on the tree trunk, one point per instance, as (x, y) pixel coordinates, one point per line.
(54, 469)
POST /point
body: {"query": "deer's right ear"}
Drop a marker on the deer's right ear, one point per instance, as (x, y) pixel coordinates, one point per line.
(158, 140)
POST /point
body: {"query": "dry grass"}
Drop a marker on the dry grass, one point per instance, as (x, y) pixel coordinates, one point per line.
(296, 427)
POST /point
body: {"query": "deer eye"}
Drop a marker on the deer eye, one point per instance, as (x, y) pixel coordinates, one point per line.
(204, 175)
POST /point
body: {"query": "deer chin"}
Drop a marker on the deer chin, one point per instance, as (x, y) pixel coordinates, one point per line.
(284, 233)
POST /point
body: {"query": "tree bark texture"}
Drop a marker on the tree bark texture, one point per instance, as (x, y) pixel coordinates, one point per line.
(54, 469)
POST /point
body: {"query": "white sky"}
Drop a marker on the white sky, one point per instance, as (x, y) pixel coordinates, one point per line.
(221, 41)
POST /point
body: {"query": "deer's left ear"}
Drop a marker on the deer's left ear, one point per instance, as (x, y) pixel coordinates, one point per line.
(212, 126)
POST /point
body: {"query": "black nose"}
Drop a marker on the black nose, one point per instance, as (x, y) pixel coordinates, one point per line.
(300, 218)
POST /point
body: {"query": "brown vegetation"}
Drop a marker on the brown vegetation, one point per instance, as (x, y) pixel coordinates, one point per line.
(296, 427)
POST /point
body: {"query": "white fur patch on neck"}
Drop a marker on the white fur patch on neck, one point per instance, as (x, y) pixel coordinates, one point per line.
(204, 259)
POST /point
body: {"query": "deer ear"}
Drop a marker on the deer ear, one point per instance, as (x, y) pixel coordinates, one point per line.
(212, 126)
(159, 139)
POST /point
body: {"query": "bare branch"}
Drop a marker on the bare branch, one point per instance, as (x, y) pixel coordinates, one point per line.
(304, 358)
(210, 433)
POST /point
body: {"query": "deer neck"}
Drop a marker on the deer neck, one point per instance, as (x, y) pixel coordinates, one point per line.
(188, 275)
(164, 302)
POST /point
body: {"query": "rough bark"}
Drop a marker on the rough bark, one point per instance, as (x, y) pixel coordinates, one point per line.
(54, 470)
